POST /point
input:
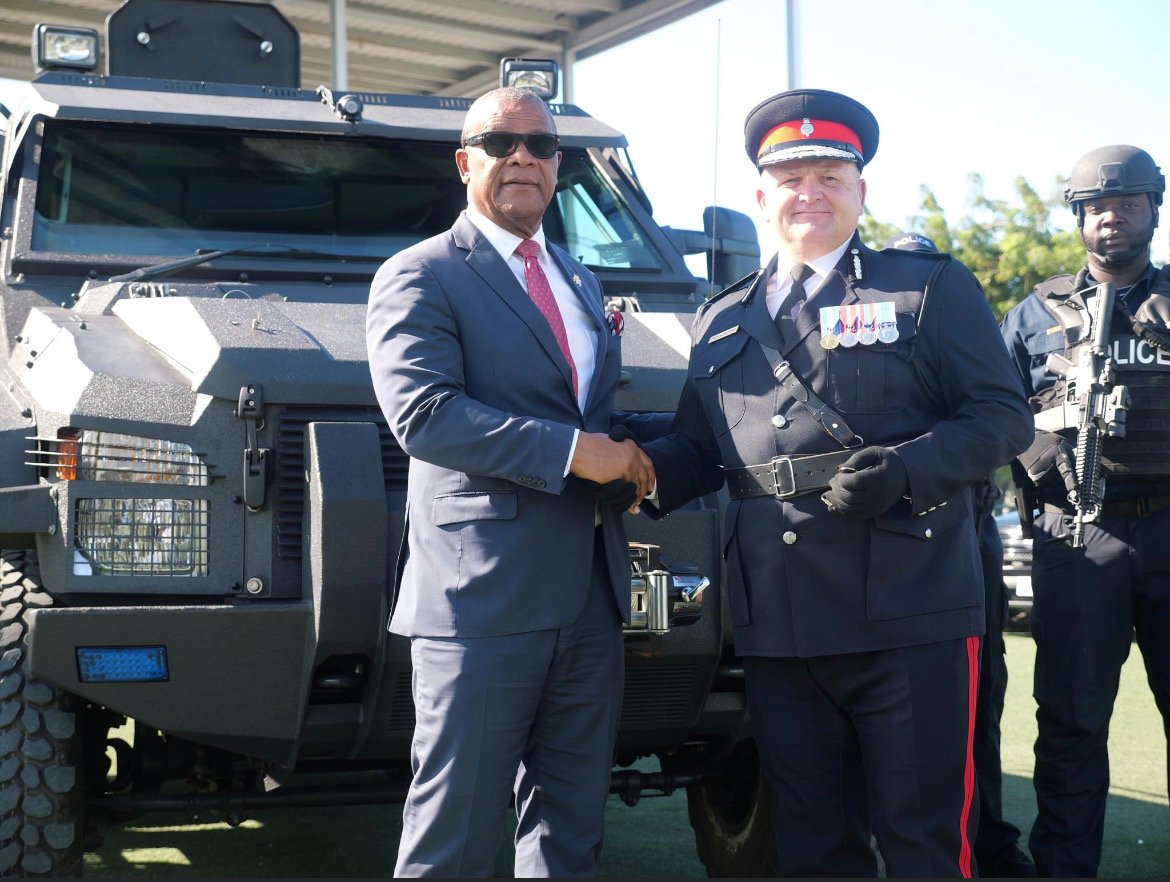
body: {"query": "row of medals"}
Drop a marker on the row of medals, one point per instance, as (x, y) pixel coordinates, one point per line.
(864, 323)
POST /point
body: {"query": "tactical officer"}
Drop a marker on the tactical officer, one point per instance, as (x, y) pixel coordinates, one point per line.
(1089, 601)
(849, 398)
(997, 844)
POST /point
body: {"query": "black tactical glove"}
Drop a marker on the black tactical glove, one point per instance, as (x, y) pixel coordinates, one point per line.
(1049, 463)
(1151, 321)
(617, 494)
(1154, 311)
(867, 484)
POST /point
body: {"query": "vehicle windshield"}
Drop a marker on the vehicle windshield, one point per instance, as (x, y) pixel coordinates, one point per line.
(142, 191)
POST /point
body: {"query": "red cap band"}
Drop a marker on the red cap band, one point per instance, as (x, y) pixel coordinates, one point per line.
(809, 130)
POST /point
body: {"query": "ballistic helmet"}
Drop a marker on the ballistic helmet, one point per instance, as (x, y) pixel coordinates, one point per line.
(1116, 170)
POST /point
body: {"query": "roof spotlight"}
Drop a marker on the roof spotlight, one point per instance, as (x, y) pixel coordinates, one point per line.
(537, 74)
(57, 47)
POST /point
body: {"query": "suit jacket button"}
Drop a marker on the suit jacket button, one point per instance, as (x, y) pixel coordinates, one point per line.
(929, 532)
(789, 537)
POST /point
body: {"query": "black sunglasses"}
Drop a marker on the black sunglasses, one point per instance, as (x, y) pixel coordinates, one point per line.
(541, 145)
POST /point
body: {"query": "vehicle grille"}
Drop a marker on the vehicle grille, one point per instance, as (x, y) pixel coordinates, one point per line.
(290, 465)
(659, 694)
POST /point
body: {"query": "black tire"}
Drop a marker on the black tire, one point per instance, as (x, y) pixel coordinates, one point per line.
(41, 780)
(730, 817)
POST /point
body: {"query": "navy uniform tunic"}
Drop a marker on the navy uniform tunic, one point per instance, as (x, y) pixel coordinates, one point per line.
(804, 581)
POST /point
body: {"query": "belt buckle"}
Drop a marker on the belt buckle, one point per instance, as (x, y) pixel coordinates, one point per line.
(783, 465)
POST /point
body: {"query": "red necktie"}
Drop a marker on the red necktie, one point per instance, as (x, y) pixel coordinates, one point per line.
(541, 293)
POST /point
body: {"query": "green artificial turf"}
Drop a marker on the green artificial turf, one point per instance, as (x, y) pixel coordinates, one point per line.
(654, 838)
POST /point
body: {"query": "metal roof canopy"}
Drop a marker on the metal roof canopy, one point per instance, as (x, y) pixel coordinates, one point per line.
(428, 47)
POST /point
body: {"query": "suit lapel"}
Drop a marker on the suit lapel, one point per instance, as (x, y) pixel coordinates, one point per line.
(756, 321)
(486, 262)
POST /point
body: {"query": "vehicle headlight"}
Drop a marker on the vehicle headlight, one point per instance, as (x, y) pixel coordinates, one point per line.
(141, 537)
(90, 455)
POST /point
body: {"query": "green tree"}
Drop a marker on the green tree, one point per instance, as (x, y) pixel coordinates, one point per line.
(1009, 245)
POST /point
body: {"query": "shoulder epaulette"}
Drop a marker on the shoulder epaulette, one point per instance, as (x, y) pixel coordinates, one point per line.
(929, 255)
(743, 284)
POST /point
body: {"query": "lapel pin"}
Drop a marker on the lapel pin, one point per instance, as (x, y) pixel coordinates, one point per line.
(576, 280)
(616, 322)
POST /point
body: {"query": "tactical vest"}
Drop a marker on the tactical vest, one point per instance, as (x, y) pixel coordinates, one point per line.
(1140, 363)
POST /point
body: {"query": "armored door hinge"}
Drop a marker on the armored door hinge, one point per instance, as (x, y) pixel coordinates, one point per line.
(250, 408)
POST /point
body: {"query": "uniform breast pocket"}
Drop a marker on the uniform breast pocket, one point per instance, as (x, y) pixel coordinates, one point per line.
(874, 378)
(718, 378)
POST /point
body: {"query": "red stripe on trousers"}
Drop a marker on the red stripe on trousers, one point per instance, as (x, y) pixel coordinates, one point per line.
(969, 764)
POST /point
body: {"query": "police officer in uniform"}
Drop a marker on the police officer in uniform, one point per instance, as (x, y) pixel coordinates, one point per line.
(849, 399)
(1089, 602)
(997, 844)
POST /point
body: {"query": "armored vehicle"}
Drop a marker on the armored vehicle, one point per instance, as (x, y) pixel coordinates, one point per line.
(200, 502)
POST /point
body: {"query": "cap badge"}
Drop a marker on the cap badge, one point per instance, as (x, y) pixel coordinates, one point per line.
(806, 128)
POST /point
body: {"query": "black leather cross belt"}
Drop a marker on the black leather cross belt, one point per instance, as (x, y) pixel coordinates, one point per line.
(786, 476)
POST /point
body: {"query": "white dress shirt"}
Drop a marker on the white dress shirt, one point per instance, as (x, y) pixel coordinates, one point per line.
(781, 282)
(579, 327)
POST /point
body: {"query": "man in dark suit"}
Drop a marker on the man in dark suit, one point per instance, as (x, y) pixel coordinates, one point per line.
(496, 370)
(849, 399)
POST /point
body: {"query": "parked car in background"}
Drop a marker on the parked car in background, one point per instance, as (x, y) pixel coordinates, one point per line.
(1017, 567)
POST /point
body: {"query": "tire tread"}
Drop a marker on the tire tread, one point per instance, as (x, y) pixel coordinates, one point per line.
(40, 750)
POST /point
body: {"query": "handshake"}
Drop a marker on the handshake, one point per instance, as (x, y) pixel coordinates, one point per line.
(620, 472)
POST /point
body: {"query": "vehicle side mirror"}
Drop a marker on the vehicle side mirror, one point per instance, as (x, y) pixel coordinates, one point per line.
(728, 239)
(737, 247)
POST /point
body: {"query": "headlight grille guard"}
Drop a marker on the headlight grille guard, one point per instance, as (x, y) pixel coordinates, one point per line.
(91, 455)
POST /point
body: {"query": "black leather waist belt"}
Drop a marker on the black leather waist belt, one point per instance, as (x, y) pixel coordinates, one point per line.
(1124, 508)
(786, 476)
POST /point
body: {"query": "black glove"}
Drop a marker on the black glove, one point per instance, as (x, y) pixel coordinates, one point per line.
(867, 484)
(1049, 463)
(1154, 311)
(619, 432)
(617, 494)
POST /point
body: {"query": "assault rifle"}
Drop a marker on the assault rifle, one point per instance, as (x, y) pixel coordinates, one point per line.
(1093, 405)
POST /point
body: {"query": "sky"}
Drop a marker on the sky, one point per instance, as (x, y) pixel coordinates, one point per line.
(1002, 88)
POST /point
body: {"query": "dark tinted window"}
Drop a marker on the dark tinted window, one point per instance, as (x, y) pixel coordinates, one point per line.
(159, 191)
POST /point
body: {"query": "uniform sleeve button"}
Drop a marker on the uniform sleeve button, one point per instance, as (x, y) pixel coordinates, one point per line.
(789, 537)
(929, 532)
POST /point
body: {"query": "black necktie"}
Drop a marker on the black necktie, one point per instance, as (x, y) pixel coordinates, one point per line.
(793, 300)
